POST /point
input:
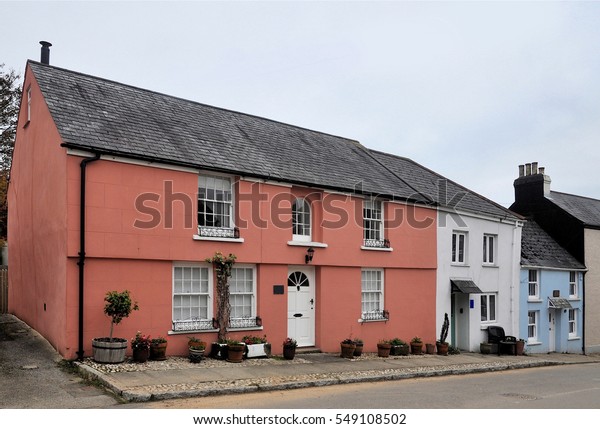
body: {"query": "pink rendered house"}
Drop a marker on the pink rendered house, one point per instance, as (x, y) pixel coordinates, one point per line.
(115, 187)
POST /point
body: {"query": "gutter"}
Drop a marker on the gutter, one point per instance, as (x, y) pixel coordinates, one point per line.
(81, 261)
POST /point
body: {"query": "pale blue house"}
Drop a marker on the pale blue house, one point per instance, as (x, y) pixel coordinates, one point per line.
(551, 294)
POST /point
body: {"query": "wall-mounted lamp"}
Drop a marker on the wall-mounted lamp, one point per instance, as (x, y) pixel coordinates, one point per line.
(309, 255)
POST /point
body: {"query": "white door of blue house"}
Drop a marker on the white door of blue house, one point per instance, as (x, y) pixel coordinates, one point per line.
(301, 305)
(551, 330)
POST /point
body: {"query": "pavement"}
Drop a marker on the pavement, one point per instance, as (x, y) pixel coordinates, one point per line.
(177, 377)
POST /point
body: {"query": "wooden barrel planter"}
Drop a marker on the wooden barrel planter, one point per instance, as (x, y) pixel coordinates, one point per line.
(106, 351)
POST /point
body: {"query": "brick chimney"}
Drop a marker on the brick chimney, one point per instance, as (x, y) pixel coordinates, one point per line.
(531, 185)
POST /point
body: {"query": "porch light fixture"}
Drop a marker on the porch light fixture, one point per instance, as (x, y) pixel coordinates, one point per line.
(309, 255)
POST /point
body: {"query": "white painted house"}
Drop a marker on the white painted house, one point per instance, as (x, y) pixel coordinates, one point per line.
(478, 256)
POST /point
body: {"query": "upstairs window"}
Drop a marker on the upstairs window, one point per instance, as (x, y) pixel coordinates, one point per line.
(489, 249)
(459, 247)
(301, 228)
(215, 207)
(573, 292)
(534, 286)
(373, 235)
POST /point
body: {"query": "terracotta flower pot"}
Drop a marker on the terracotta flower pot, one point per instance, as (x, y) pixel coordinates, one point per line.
(416, 348)
(158, 351)
(358, 350)
(383, 349)
(348, 350)
(442, 348)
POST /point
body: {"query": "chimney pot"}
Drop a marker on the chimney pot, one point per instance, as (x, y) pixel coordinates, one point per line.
(542, 170)
(534, 168)
(521, 170)
(528, 169)
(45, 57)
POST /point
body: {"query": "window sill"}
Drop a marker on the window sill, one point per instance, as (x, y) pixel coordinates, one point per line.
(372, 320)
(535, 300)
(573, 338)
(306, 243)
(459, 264)
(533, 342)
(378, 249)
(225, 239)
(484, 325)
(490, 265)
(195, 331)
(574, 298)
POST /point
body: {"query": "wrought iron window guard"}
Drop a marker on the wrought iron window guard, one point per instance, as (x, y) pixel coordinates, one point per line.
(381, 244)
(218, 232)
(375, 315)
(205, 325)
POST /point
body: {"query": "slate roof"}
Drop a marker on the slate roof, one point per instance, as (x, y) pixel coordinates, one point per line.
(108, 117)
(539, 249)
(443, 191)
(587, 210)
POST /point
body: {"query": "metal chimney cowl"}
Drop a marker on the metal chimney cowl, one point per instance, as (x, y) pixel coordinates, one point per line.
(45, 57)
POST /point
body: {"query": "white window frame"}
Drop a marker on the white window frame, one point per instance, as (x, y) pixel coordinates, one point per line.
(373, 229)
(194, 322)
(456, 247)
(533, 283)
(490, 249)
(366, 291)
(488, 307)
(233, 293)
(572, 315)
(204, 182)
(533, 318)
(573, 284)
(301, 220)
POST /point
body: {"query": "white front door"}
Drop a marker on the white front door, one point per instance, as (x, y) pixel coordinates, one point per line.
(551, 331)
(301, 305)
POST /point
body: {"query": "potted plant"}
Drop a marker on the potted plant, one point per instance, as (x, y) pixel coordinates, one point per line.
(235, 351)
(399, 347)
(359, 347)
(416, 346)
(348, 346)
(383, 348)
(520, 346)
(442, 345)
(485, 348)
(118, 305)
(289, 348)
(158, 348)
(256, 346)
(196, 342)
(140, 346)
(196, 352)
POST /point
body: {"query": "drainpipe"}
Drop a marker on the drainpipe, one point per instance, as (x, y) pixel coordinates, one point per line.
(81, 261)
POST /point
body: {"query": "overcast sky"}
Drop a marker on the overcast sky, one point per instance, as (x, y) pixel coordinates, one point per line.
(468, 89)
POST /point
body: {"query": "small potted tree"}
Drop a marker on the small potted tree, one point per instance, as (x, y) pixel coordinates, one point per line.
(118, 306)
(235, 351)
